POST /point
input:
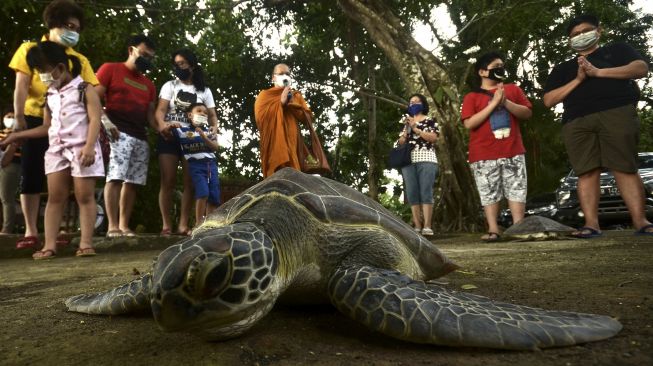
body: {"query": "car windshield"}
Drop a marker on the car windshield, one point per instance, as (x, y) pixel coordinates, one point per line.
(646, 162)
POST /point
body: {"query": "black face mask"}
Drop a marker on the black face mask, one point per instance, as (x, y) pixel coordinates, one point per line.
(143, 64)
(497, 74)
(182, 74)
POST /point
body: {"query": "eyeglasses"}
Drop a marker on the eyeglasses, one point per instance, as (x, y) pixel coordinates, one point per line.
(283, 73)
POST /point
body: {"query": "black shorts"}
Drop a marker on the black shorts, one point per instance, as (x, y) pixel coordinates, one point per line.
(170, 146)
(606, 139)
(31, 160)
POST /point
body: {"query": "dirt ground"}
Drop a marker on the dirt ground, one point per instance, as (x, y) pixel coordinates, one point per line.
(612, 275)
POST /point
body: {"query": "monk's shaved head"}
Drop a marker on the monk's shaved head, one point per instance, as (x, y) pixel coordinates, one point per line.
(281, 68)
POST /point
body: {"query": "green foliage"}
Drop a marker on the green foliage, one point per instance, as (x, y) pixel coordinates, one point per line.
(396, 206)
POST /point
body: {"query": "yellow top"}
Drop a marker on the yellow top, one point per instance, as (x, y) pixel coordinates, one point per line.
(36, 93)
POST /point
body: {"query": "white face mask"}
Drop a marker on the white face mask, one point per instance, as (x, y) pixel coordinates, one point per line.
(282, 80)
(585, 40)
(9, 122)
(46, 78)
(200, 119)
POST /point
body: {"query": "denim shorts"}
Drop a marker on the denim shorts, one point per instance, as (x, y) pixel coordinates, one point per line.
(419, 179)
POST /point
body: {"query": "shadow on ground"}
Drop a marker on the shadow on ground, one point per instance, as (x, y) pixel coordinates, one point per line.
(612, 275)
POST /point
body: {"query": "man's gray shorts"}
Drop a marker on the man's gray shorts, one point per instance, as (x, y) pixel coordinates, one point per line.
(505, 177)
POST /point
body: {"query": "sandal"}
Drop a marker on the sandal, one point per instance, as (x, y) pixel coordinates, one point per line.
(114, 233)
(28, 242)
(186, 232)
(644, 230)
(586, 232)
(166, 232)
(44, 254)
(85, 252)
(491, 237)
(128, 233)
(427, 231)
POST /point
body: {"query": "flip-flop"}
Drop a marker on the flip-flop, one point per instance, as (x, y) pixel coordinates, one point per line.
(586, 232)
(128, 233)
(114, 234)
(166, 232)
(85, 252)
(492, 237)
(28, 242)
(643, 230)
(43, 254)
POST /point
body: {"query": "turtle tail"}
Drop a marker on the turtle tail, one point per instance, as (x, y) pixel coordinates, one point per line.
(394, 304)
(131, 297)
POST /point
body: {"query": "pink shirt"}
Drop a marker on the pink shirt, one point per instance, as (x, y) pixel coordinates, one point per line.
(69, 124)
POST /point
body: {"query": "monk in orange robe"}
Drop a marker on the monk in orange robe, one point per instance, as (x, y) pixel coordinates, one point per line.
(277, 116)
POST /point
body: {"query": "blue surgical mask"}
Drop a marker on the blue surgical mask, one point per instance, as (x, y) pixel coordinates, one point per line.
(69, 38)
(415, 109)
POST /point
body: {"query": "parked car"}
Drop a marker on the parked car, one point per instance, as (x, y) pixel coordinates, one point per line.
(611, 206)
(542, 204)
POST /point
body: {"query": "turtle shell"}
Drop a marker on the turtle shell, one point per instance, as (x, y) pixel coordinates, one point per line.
(537, 225)
(333, 202)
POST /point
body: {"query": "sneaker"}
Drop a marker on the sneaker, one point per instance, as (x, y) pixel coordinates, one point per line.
(427, 231)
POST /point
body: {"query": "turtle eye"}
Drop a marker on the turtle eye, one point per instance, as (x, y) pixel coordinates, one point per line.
(208, 275)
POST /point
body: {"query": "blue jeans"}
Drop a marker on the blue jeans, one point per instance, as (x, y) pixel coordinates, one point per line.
(419, 179)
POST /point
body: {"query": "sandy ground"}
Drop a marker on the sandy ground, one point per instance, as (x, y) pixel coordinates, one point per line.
(612, 275)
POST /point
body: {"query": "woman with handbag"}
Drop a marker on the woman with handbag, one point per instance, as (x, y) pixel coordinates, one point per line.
(419, 176)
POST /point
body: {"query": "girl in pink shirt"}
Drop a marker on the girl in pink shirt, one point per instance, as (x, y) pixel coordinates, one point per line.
(72, 124)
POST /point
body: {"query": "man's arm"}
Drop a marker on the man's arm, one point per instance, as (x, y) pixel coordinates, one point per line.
(557, 95)
(634, 70)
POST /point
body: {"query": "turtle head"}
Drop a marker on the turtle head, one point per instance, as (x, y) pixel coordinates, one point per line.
(218, 283)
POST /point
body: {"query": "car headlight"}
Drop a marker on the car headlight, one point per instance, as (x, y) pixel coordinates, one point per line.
(540, 210)
(563, 197)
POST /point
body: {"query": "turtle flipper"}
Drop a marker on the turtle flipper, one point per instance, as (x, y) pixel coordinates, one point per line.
(131, 297)
(394, 304)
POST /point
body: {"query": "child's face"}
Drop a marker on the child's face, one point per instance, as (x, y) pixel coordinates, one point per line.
(199, 115)
(51, 76)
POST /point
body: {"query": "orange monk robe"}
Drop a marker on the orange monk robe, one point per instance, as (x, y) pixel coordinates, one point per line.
(277, 126)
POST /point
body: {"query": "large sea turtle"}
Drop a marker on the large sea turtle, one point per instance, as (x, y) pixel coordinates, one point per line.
(303, 238)
(538, 228)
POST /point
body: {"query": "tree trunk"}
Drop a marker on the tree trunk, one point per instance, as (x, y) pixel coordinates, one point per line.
(421, 72)
(373, 174)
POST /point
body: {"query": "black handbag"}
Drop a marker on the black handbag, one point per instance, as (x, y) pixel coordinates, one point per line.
(400, 156)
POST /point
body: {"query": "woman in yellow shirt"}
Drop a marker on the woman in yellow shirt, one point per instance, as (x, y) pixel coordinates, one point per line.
(64, 19)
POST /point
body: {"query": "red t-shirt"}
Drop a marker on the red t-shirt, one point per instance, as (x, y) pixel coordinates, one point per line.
(482, 143)
(127, 98)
